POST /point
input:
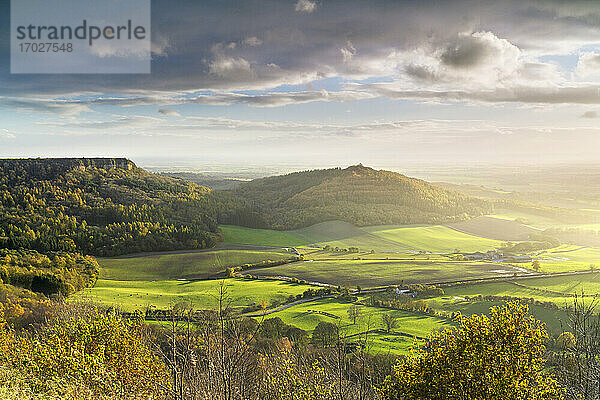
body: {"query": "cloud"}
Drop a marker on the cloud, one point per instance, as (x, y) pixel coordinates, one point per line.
(451, 47)
(273, 99)
(305, 6)
(6, 134)
(169, 112)
(583, 94)
(477, 58)
(193, 125)
(252, 41)
(44, 105)
(589, 114)
(113, 125)
(480, 49)
(348, 52)
(588, 65)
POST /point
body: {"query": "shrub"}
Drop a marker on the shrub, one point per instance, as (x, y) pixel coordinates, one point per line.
(99, 353)
(495, 357)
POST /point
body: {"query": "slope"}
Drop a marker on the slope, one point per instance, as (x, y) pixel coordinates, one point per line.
(358, 195)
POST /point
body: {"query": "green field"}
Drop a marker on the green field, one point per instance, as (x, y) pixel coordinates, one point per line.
(306, 316)
(568, 258)
(199, 264)
(410, 323)
(432, 238)
(370, 273)
(556, 320)
(260, 237)
(332, 255)
(138, 295)
(588, 284)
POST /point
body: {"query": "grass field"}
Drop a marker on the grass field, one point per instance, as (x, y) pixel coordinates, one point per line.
(506, 289)
(556, 320)
(568, 258)
(588, 284)
(174, 266)
(260, 237)
(577, 284)
(540, 222)
(306, 316)
(138, 295)
(433, 238)
(370, 273)
(495, 228)
(310, 253)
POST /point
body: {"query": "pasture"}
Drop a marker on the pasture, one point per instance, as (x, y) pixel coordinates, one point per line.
(568, 258)
(139, 295)
(433, 238)
(495, 228)
(199, 264)
(308, 315)
(385, 238)
(372, 273)
(556, 320)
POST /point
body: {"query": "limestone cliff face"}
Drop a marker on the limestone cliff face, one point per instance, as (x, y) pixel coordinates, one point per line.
(104, 163)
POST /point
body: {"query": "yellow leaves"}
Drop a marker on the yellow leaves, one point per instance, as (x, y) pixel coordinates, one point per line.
(100, 352)
(486, 357)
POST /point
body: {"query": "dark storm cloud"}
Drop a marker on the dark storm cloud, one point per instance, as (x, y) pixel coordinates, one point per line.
(260, 44)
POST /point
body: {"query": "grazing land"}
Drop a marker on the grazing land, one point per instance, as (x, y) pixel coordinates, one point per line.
(495, 228)
(306, 316)
(556, 320)
(382, 238)
(371, 273)
(202, 264)
(568, 258)
(434, 238)
(139, 295)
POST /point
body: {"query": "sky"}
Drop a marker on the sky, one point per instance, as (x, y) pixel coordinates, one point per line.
(326, 82)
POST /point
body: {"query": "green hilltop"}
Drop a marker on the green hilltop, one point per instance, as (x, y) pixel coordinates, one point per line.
(359, 195)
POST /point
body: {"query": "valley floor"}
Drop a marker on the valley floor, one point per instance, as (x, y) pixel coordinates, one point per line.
(339, 255)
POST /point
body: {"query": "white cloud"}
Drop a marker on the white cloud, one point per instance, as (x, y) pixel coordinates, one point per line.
(588, 65)
(573, 94)
(6, 134)
(348, 52)
(305, 6)
(478, 58)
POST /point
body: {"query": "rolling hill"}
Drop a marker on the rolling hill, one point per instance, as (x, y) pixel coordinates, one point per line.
(100, 206)
(358, 195)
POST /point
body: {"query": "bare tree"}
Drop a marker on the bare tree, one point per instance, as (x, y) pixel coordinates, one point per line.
(389, 321)
(579, 350)
(354, 312)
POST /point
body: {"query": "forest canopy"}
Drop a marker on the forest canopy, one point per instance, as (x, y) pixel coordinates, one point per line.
(358, 195)
(103, 207)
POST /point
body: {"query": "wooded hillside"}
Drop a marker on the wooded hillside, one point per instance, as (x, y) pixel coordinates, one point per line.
(102, 207)
(358, 195)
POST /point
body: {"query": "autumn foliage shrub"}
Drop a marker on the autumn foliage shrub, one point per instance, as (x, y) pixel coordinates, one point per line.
(101, 355)
(495, 357)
